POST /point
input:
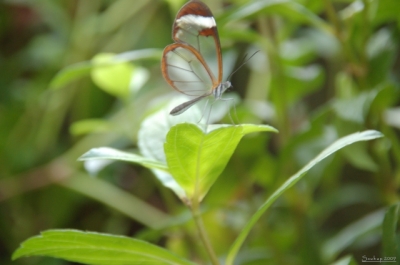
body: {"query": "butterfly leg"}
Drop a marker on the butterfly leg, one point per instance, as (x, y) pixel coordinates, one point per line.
(209, 114)
(234, 107)
(204, 109)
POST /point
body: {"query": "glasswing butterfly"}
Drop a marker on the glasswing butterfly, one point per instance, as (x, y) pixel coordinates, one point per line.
(188, 65)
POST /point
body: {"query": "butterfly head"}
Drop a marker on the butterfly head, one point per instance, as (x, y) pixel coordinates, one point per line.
(221, 88)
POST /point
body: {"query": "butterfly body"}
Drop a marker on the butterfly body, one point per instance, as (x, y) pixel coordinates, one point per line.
(188, 64)
(217, 93)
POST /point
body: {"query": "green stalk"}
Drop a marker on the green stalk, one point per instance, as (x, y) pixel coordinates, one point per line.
(203, 234)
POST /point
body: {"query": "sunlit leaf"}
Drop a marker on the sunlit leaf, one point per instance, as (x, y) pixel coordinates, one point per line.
(112, 78)
(152, 136)
(90, 125)
(96, 249)
(196, 159)
(78, 70)
(153, 131)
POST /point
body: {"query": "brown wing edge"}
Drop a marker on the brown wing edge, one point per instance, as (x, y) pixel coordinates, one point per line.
(164, 64)
(194, 7)
(199, 8)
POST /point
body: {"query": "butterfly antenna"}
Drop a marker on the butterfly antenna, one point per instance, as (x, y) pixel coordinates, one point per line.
(243, 63)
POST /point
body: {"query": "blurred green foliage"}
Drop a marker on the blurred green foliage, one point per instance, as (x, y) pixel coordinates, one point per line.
(326, 69)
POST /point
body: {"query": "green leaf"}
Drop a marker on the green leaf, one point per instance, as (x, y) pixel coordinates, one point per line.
(70, 73)
(90, 125)
(102, 153)
(301, 81)
(351, 233)
(389, 235)
(153, 54)
(346, 260)
(386, 12)
(382, 49)
(120, 200)
(81, 69)
(359, 157)
(287, 8)
(152, 136)
(339, 144)
(112, 78)
(196, 159)
(96, 249)
(355, 108)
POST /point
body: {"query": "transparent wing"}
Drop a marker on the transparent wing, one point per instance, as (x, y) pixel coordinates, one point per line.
(195, 26)
(186, 70)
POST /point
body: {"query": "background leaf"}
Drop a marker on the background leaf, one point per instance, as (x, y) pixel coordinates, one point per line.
(114, 78)
(390, 234)
(350, 234)
(70, 73)
(347, 260)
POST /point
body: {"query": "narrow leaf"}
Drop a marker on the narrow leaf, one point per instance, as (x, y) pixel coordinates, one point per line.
(102, 153)
(339, 144)
(250, 128)
(96, 249)
(90, 125)
(120, 200)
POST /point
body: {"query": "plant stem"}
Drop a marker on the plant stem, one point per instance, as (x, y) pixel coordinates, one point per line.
(357, 59)
(203, 234)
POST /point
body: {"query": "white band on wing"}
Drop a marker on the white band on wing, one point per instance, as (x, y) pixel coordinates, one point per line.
(195, 20)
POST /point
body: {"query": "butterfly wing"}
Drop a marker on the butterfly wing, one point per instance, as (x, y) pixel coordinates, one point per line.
(185, 70)
(196, 26)
(189, 64)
